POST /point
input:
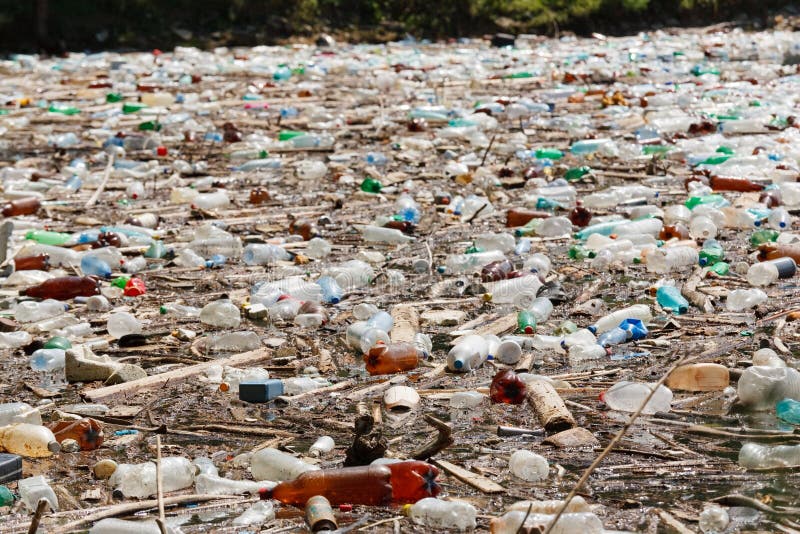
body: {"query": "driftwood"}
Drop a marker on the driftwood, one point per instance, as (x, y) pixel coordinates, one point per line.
(553, 414)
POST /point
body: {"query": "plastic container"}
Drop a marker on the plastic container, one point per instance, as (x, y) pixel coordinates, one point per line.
(274, 465)
(27, 440)
(139, 480)
(628, 396)
(435, 513)
(759, 388)
(32, 489)
(529, 466)
(743, 299)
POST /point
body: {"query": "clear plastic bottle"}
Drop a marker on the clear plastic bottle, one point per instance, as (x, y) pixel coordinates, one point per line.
(263, 254)
(179, 310)
(113, 525)
(122, 324)
(743, 299)
(30, 311)
(576, 505)
(211, 201)
(495, 241)
(322, 445)
(380, 234)
(213, 484)
(468, 354)
(613, 319)
(274, 465)
(221, 313)
(234, 342)
(702, 227)
(512, 523)
(759, 387)
(713, 519)
(768, 358)
(19, 412)
(627, 396)
(756, 456)
(514, 289)
(664, 260)
(466, 263)
(14, 340)
(435, 513)
(258, 514)
(30, 441)
(650, 226)
(780, 219)
(466, 400)
(33, 489)
(351, 275)
(768, 272)
(139, 480)
(529, 466)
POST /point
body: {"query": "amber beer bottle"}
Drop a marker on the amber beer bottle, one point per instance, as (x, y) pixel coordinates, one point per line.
(383, 359)
(721, 183)
(33, 263)
(773, 251)
(520, 217)
(370, 485)
(22, 206)
(64, 288)
(87, 432)
(507, 388)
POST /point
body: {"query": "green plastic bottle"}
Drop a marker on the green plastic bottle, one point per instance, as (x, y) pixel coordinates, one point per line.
(371, 185)
(286, 135)
(6, 497)
(526, 322)
(120, 282)
(132, 107)
(711, 253)
(720, 268)
(64, 110)
(715, 201)
(578, 252)
(58, 342)
(767, 235)
(576, 173)
(113, 98)
(544, 203)
(46, 237)
(725, 150)
(716, 160)
(150, 126)
(548, 153)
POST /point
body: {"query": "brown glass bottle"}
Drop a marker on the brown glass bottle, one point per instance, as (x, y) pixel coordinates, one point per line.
(676, 230)
(22, 206)
(32, 263)
(407, 227)
(497, 270)
(259, 196)
(507, 388)
(773, 251)
(580, 216)
(393, 358)
(64, 288)
(370, 485)
(721, 183)
(304, 228)
(520, 216)
(87, 432)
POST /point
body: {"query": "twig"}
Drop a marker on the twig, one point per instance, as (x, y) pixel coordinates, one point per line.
(443, 440)
(488, 148)
(527, 513)
(41, 506)
(99, 191)
(160, 487)
(589, 470)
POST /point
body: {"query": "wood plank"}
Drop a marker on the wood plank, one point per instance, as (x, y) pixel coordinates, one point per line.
(468, 477)
(156, 381)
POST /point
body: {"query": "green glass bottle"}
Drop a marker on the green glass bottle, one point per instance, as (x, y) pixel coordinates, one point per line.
(371, 185)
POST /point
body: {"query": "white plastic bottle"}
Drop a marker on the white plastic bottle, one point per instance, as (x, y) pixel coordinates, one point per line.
(323, 445)
(702, 227)
(613, 319)
(512, 522)
(274, 465)
(468, 354)
(768, 272)
(529, 466)
(30, 311)
(756, 456)
(436, 513)
(667, 259)
(514, 289)
(743, 299)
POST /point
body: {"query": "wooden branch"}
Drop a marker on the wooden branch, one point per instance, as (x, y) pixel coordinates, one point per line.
(468, 477)
(549, 407)
(443, 440)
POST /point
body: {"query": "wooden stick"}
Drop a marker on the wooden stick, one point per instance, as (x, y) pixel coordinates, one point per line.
(443, 439)
(160, 485)
(549, 407)
(41, 506)
(406, 323)
(156, 381)
(468, 477)
(99, 191)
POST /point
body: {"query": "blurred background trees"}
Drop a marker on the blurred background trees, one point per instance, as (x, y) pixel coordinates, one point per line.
(57, 25)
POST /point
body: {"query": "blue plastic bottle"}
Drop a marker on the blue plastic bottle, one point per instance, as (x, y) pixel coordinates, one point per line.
(94, 266)
(788, 410)
(669, 297)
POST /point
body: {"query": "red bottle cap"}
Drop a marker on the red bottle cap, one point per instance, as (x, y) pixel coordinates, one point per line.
(135, 287)
(161, 151)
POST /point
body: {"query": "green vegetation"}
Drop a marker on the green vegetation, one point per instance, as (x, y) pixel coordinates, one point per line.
(77, 24)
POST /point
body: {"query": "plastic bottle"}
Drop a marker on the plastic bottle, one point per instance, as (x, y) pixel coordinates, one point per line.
(779, 219)
(120, 526)
(788, 410)
(711, 252)
(526, 322)
(272, 464)
(507, 388)
(468, 354)
(760, 388)
(699, 377)
(21, 206)
(14, 340)
(768, 272)
(122, 324)
(670, 298)
(213, 484)
(221, 313)
(576, 505)
(87, 432)
(139, 480)
(702, 227)
(491, 241)
(19, 412)
(521, 216)
(613, 319)
(438, 514)
(521, 289)
(331, 291)
(179, 310)
(30, 311)
(627, 396)
(323, 445)
(665, 260)
(30, 441)
(63, 288)
(392, 358)
(755, 456)
(261, 254)
(772, 251)
(743, 299)
(519, 521)
(466, 263)
(373, 485)
(234, 342)
(380, 234)
(40, 262)
(33, 489)
(529, 466)
(767, 357)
